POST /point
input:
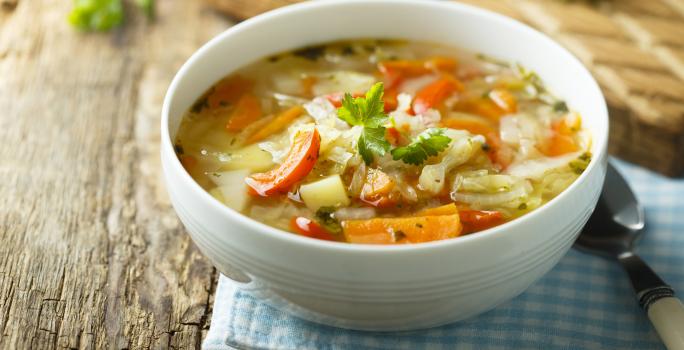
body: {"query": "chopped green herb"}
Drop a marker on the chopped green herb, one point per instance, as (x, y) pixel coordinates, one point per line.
(369, 112)
(522, 206)
(273, 59)
(178, 148)
(200, 104)
(325, 218)
(419, 225)
(347, 51)
(530, 77)
(486, 147)
(428, 143)
(399, 235)
(216, 174)
(581, 163)
(98, 15)
(311, 53)
(560, 107)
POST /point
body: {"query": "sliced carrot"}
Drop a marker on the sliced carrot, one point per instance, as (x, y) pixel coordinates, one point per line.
(390, 99)
(568, 125)
(229, 91)
(481, 106)
(280, 122)
(400, 230)
(412, 68)
(440, 63)
(436, 92)
(474, 125)
(504, 99)
(377, 188)
(394, 136)
(309, 228)
(478, 220)
(308, 83)
(403, 67)
(559, 144)
(246, 111)
(561, 141)
(447, 209)
(298, 163)
(496, 104)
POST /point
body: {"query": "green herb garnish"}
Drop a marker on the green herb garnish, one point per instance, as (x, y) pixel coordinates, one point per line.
(325, 218)
(103, 15)
(369, 112)
(428, 143)
(200, 104)
(311, 53)
(581, 163)
(560, 107)
(98, 15)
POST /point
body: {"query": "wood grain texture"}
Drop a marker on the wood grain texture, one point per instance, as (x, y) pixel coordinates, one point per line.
(92, 254)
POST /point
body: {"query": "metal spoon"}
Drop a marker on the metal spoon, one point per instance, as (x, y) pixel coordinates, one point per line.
(611, 232)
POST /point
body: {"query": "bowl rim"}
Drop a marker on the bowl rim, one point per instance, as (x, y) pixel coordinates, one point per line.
(600, 140)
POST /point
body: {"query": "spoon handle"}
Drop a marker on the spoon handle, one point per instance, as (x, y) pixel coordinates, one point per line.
(665, 311)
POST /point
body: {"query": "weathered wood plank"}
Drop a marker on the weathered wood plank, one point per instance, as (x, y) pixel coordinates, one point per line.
(92, 255)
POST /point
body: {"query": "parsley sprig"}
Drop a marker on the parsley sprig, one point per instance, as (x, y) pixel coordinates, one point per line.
(369, 112)
(428, 143)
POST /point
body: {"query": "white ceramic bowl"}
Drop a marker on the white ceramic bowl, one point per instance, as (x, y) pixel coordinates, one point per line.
(385, 287)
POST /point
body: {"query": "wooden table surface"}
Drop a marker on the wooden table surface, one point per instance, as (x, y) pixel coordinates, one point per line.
(91, 253)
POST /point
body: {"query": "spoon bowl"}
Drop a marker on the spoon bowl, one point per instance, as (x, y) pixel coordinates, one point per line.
(611, 231)
(617, 220)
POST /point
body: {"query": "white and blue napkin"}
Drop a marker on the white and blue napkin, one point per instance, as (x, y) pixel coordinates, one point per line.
(585, 302)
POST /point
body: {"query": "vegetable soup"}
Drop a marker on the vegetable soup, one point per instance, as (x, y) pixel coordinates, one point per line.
(382, 142)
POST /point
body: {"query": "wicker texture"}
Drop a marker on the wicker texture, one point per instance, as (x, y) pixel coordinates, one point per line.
(634, 48)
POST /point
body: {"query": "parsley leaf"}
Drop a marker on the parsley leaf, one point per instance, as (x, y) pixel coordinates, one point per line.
(372, 140)
(428, 143)
(326, 218)
(369, 112)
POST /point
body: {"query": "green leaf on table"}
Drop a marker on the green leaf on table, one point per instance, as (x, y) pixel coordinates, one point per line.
(100, 15)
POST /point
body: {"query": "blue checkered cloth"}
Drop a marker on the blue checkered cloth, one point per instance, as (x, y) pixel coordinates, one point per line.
(585, 302)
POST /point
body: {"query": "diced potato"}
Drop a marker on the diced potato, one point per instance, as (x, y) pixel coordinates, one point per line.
(251, 157)
(231, 189)
(327, 192)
